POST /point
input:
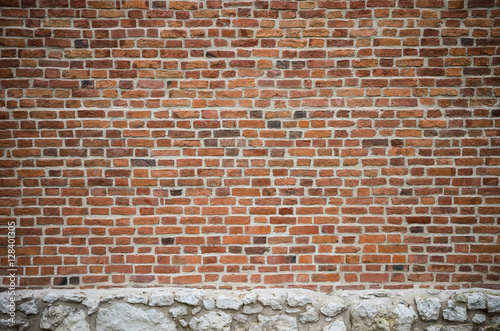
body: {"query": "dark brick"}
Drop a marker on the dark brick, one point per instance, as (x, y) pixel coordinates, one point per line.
(480, 3)
(256, 114)
(274, 124)
(168, 241)
(143, 163)
(375, 142)
(81, 43)
(175, 193)
(87, 84)
(282, 64)
(300, 114)
(226, 133)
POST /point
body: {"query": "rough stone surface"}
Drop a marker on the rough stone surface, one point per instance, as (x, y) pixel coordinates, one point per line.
(213, 321)
(137, 298)
(53, 316)
(332, 309)
(240, 318)
(91, 305)
(478, 319)
(224, 302)
(405, 317)
(429, 308)
(476, 301)
(178, 311)
(29, 307)
(77, 297)
(192, 298)
(75, 321)
(371, 317)
(271, 299)
(454, 313)
(439, 327)
(4, 305)
(50, 298)
(276, 323)
(209, 303)
(161, 299)
(297, 300)
(493, 303)
(252, 309)
(126, 317)
(309, 316)
(7, 325)
(256, 310)
(337, 325)
(292, 310)
(249, 298)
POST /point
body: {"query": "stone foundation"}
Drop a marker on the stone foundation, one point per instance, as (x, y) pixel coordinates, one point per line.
(169, 309)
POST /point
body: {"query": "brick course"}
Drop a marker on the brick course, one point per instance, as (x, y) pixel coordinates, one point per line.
(222, 144)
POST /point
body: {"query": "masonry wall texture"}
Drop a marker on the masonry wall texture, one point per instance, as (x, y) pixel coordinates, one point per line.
(243, 144)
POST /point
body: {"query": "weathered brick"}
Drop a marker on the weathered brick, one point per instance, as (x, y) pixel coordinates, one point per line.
(309, 146)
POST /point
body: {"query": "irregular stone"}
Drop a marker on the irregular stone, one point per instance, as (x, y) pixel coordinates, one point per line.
(297, 300)
(24, 296)
(428, 309)
(366, 296)
(460, 298)
(332, 309)
(493, 304)
(405, 317)
(454, 313)
(240, 318)
(4, 305)
(192, 298)
(271, 299)
(479, 319)
(7, 325)
(53, 316)
(161, 299)
(110, 298)
(137, 298)
(76, 297)
(439, 327)
(249, 298)
(209, 303)
(337, 325)
(213, 321)
(75, 321)
(371, 317)
(29, 307)
(253, 309)
(50, 298)
(309, 316)
(224, 302)
(178, 311)
(276, 323)
(293, 310)
(476, 301)
(91, 305)
(126, 317)
(195, 310)
(183, 322)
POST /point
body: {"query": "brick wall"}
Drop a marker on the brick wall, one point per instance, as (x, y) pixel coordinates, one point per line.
(321, 144)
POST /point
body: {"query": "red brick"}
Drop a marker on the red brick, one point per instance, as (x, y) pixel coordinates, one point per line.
(259, 151)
